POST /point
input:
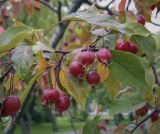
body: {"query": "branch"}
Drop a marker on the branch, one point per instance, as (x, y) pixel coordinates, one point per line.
(103, 8)
(59, 13)
(5, 74)
(145, 119)
(129, 2)
(61, 28)
(51, 7)
(155, 24)
(158, 83)
(155, 75)
(62, 52)
(75, 117)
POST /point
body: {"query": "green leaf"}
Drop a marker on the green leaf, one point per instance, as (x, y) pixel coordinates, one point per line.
(110, 40)
(11, 37)
(95, 18)
(74, 88)
(127, 103)
(157, 38)
(28, 88)
(41, 47)
(112, 88)
(108, 21)
(138, 29)
(22, 58)
(155, 128)
(150, 79)
(147, 44)
(91, 127)
(127, 68)
(99, 32)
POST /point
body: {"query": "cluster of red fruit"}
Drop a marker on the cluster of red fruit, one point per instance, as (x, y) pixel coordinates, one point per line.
(121, 45)
(53, 96)
(102, 126)
(87, 58)
(144, 110)
(11, 105)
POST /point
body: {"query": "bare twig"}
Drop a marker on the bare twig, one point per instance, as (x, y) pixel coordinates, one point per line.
(144, 120)
(75, 117)
(51, 7)
(59, 10)
(155, 24)
(63, 52)
(61, 28)
(128, 4)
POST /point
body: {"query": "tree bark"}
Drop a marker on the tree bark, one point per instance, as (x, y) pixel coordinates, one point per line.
(62, 27)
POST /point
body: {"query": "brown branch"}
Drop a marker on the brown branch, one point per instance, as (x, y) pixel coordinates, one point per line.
(61, 28)
(144, 120)
(59, 10)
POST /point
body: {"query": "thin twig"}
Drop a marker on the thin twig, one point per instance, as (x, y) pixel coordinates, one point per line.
(62, 52)
(59, 10)
(155, 24)
(128, 4)
(51, 27)
(158, 83)
(51, 7)
(144, 120)
(75, 117)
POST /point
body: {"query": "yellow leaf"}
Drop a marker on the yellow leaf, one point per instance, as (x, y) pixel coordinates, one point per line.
(75, 89)
(42, 64)
(53, 77)
(113, 85)
(103, 71)
(85, 36)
